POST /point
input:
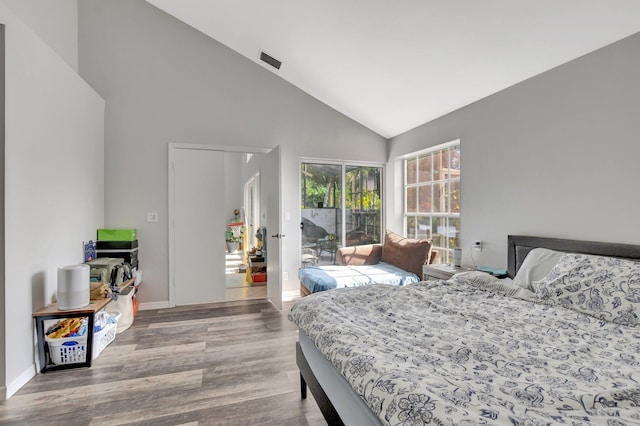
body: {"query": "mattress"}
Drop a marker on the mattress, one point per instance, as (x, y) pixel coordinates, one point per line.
(321, 278)
(474, 350)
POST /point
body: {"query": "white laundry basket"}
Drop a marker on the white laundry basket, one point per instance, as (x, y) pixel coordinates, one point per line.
(71, 350)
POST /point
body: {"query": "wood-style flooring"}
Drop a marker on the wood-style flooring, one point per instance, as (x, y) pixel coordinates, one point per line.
(228, 363)
(245, 293)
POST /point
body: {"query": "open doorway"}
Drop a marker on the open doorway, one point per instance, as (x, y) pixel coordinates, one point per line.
(200, 176)
(244, 266)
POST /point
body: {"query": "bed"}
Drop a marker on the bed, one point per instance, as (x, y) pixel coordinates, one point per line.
(477, 350)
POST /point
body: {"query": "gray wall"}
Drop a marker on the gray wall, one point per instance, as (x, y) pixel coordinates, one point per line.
(54, 187)
(55, 22)
(166, 82)
(555, 155)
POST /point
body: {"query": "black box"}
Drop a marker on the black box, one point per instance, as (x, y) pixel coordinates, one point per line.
(116, 245)
(129, 256)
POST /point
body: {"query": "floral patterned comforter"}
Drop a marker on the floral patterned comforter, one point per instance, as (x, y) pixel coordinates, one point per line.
(462, 352)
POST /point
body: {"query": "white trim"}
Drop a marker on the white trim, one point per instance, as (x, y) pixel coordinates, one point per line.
(343, 210)
(433, 148)
(252, 225)
(149, 306)
(340, 162)
(224, 148)
(446, 215)
(170, 222)
(172, 147)
(20, 381)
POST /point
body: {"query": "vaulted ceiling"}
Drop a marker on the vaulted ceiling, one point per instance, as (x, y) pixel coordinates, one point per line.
(393, 65)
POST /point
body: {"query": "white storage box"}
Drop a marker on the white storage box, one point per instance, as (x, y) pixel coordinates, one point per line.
(72, 350)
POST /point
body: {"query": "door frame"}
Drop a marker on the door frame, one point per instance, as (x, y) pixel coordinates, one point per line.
(252, 187)
(172, 147)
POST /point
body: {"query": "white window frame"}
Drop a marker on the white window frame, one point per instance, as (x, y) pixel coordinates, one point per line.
(447, 250)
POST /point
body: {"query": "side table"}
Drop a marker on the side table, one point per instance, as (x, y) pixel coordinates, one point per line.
(442, 271)
(52, 312)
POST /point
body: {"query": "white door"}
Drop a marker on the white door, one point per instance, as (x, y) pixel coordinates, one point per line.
(270, 200)
(199, 224)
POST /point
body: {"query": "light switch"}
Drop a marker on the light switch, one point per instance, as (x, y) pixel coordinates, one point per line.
(152, 217)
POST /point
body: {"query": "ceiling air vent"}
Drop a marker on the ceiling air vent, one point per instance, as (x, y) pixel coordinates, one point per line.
(270, 60)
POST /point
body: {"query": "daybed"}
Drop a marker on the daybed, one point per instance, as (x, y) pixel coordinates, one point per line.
(478, 350)
(397, 261)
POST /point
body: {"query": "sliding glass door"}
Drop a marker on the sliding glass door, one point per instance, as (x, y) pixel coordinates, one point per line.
(341, 206)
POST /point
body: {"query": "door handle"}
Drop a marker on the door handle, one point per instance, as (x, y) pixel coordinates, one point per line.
(278, 236)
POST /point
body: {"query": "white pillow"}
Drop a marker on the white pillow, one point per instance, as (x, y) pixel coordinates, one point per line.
(536, 266)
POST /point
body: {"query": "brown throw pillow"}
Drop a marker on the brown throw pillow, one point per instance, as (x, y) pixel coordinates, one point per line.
(405, 253)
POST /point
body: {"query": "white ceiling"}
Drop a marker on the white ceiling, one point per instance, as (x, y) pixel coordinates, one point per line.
(393, 65)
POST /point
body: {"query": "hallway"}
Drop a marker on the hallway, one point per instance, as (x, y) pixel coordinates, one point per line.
(237, 287)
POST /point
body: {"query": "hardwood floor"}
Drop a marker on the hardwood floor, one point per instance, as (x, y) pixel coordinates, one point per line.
(228, 363)
(245, 293)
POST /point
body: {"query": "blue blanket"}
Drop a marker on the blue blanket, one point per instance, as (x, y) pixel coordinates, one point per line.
(321, 278)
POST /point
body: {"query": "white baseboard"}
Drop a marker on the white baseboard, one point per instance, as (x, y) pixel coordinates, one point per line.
(18, 383)
(153, 305)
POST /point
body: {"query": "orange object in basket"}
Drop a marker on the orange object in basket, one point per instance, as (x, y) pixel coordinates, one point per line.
(136, 304)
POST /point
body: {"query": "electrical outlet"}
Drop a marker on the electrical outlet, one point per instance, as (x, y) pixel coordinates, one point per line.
(477, 245)
(152, 217)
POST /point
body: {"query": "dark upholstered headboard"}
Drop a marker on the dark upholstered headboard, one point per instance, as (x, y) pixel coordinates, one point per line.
(520, 245)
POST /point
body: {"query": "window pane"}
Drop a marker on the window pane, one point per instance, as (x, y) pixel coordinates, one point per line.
(321, 216)
(439, 198)
(445, 165)
(424, 169)
(454, 232)
(424, 227)
(455, 159)
(321, 185)
(410, 196)
(455, 197)
(410, 171)
(437, 231)
(424, 197)
(411, 227)
(439, 165)
(363, 205)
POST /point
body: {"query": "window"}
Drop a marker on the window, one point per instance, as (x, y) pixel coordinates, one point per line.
(432, 197)
(341, 206)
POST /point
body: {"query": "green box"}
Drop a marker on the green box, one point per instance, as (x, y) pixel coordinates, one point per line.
(124, 234)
